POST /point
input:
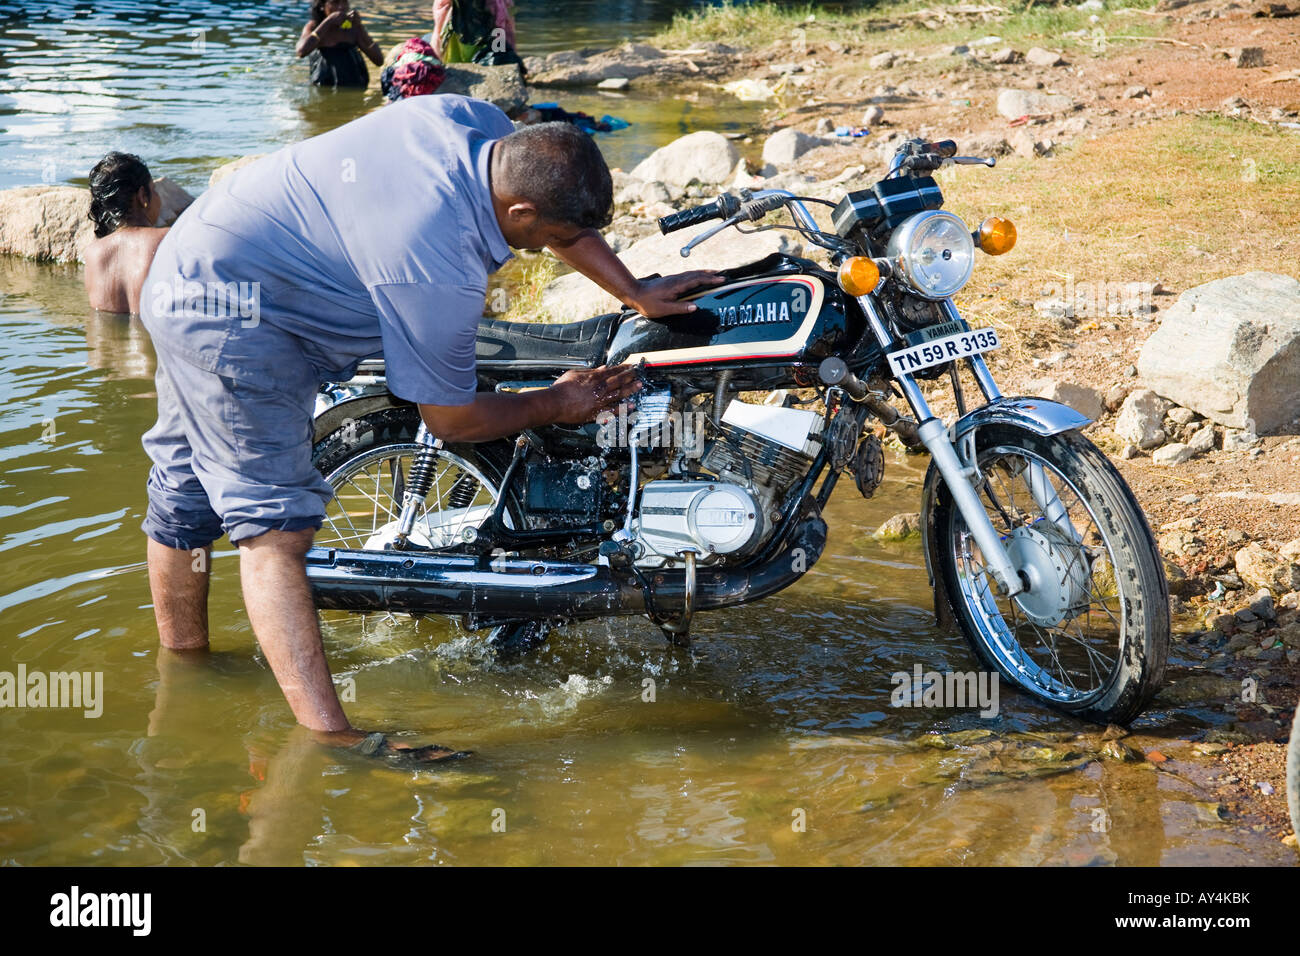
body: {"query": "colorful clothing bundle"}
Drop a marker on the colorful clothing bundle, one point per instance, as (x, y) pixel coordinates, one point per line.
(417, 71)
(474, 31)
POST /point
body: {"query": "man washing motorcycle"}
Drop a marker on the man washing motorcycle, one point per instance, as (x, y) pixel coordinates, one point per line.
(377, 237)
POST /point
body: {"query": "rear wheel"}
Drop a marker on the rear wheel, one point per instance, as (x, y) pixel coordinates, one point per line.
(369, 464)
(1090, 635)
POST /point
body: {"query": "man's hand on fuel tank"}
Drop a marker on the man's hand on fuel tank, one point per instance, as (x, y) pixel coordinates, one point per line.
(581, 395)
(661, 296)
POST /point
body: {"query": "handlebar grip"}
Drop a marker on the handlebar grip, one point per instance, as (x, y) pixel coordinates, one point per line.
(690, 217)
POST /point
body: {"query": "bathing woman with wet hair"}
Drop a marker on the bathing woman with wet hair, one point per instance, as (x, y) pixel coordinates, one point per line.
(333, 40)
(124, 205)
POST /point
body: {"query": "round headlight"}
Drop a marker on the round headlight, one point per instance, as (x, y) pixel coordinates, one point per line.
(935, 253)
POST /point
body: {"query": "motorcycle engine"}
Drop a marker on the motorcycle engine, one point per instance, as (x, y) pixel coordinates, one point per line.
(758, 454)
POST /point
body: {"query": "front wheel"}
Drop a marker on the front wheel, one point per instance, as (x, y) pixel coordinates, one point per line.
(1090, 634)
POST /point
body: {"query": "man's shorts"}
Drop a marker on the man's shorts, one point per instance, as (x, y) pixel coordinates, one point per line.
(232, 453)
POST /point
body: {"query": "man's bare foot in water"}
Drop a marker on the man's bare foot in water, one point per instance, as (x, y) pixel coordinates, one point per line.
(378, 745)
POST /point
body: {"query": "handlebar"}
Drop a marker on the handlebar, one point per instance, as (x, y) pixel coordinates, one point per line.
(721, 208)
(748, 207)
(732, 209)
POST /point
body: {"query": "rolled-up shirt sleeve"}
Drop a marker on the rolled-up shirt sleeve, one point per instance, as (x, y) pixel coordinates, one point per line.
(429, 331)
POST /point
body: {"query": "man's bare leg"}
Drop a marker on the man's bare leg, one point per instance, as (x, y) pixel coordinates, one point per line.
(273, 570)
(273, 573)
(179, 582)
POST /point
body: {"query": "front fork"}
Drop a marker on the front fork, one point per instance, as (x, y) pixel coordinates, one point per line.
(958, 466)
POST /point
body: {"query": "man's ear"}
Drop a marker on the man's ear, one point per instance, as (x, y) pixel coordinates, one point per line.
(522, 214)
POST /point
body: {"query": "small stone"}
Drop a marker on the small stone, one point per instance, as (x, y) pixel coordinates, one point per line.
(900, 526)
(874, 116)
(1180, 415)
(1261, 605)
(1135, 92)
(1261, 568)
(1265, 788)
(883, 61)
(1129, 452)
(1131, 372)
(1115, 396)
(1202, 440)
(1238, 439)
(1040, 57)
(1181, 544)
(1005, 56)
(614, 83)
(1140, 418)
(1239, 643)
(824, 127)
(1246, 58)
(1120, 751)
(1174, 453)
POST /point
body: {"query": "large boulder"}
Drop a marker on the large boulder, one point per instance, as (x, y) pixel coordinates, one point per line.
(786, 145)
(53, 222)
(234, 166)
(45, 222)
(175, 200)
(502, 86)
(1014, 104)
(570, 68)
(574, 296)
(1230, 350)
(705, 157)
(1084, 400)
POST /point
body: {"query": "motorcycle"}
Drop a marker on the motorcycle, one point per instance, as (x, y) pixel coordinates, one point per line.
(1035, 547)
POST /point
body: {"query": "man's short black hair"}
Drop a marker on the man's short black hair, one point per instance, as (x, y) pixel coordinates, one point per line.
(559, 169)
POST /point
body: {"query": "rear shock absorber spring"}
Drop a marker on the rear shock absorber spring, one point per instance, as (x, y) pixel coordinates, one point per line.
(420, 480)
(418, 483)
(463, 491)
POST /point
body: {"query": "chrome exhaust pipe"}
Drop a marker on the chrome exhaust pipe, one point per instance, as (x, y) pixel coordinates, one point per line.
(432, 583)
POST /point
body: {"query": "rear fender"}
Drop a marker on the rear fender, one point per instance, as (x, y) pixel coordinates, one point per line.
(336, 407)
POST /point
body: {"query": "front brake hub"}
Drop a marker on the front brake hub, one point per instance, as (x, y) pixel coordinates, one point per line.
(1056, 572)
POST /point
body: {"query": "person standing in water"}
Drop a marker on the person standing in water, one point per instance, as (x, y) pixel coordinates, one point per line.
(124, 205)
(333, 40)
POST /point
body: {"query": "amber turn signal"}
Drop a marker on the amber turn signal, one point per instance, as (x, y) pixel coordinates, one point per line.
(996, 235)
(858, 275)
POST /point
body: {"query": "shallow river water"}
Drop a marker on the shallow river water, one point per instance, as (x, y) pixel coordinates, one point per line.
(772, 741)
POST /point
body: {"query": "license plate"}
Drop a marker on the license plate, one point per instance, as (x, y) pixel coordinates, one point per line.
(946, 349)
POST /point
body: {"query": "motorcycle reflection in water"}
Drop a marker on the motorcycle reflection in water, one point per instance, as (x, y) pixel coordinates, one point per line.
(1035, 547)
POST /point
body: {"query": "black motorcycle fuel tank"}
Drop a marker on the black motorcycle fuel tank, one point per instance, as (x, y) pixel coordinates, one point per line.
(778, 311)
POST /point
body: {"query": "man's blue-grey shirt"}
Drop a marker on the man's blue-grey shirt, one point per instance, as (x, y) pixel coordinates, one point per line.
(378, 236)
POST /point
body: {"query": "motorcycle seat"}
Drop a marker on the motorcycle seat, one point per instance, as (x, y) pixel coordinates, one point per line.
(544, 345)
